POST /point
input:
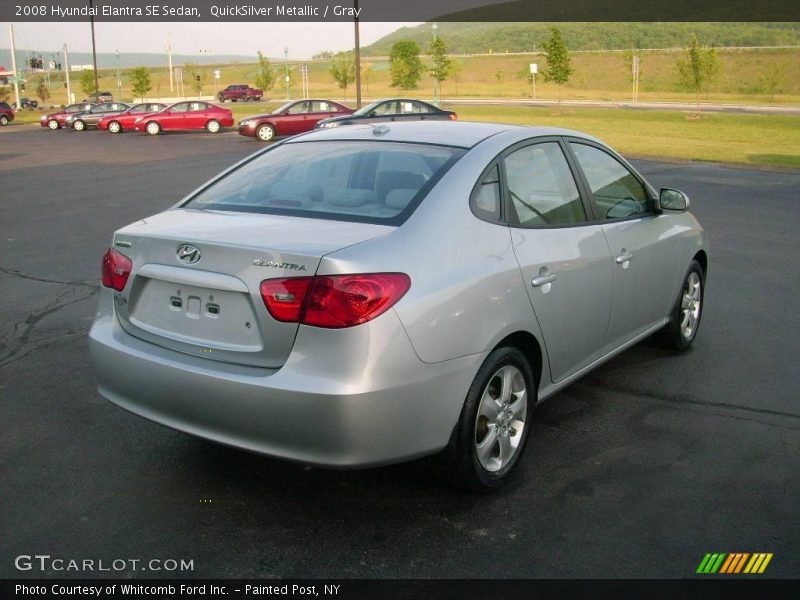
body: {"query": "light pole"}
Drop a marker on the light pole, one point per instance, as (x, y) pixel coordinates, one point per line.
(286, 70)
(357, 57)
(94, 55)
(119, 81)
(14, 64)
(66, 74)
(435, 26)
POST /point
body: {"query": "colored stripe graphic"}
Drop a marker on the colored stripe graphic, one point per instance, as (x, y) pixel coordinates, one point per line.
(734, 563)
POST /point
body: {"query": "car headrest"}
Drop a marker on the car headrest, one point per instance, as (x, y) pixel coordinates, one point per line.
(351, 198)
(398, 199)
(386, 181)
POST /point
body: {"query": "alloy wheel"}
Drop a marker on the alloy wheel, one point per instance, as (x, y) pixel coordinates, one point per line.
(500, 422)
(691, 302)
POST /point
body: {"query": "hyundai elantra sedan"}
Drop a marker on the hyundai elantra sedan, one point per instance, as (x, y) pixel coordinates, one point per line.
(366, 295)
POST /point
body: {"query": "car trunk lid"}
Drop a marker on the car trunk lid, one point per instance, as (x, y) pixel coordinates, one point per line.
(195, 282)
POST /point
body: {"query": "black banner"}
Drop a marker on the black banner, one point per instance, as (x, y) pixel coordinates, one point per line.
(400, 10)
(709, 588)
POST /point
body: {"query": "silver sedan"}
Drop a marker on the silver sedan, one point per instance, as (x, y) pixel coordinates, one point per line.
(372, 294)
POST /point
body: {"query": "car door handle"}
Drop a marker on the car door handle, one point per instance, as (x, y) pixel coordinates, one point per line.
(624, 257)
(541, 280)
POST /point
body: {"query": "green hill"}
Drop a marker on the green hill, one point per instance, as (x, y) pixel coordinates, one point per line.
(475, 38)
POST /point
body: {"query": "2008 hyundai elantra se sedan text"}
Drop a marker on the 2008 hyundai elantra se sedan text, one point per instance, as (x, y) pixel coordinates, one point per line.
(366, 295)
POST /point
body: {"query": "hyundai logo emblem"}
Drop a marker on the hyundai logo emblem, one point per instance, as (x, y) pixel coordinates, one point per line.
(188, 254)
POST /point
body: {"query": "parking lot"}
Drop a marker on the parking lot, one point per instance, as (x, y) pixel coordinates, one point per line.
(637, 470)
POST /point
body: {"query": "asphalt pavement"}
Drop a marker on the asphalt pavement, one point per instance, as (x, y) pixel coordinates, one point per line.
(637, 470)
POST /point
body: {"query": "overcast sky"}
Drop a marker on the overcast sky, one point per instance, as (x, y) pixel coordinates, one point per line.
(302, 39)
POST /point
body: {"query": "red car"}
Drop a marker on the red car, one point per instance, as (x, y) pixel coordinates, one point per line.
(124, 121)
(6, 113)
(291, 118)
(57, 120)
(182, 116)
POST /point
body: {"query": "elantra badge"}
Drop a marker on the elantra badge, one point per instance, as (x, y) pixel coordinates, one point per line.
(188, 254)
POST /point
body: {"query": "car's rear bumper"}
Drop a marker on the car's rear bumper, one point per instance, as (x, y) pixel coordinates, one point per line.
(344, 398)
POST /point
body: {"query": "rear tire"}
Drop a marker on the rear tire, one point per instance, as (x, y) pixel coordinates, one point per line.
(114, 127)
(684, 322)
(265, 133)
(3, 120)
(79, 125)
(53, 124)
(213, 126)
(492, 431)
(153, 128)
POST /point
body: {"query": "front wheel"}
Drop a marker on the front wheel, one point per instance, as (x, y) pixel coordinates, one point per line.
(3, 120)
(79, 125)
(492, 430)
(153, 128)
(265, 133)
(114, 127)
(53, 124)
(681, 330)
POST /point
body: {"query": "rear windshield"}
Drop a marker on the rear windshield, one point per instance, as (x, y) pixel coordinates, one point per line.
(364, 181)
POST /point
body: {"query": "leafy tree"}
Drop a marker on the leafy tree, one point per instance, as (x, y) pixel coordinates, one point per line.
(140, 81)
(265, 77)
(343, 70)
(42, 91)
(456, 72)
(324, 55)
(442, 64)
(773, 80)
(5, 93)
(87, 82)
(500, 77)
(406, 66)
(367, 74)
(698, 69)
(559, 69)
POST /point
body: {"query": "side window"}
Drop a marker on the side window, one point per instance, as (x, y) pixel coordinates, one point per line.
(318, 106)
(486, 196)
(387, 108)
(180, 108)
(542, 188)
(617, 193)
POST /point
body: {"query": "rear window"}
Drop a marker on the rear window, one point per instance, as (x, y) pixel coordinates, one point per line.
(363, 181)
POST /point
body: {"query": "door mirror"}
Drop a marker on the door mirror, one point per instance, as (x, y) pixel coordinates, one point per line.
(669, 199)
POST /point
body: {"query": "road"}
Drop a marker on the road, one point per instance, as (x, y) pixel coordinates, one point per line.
(638, 470)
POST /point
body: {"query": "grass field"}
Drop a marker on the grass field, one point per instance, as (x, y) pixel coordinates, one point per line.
(762, 140)
(744, 78)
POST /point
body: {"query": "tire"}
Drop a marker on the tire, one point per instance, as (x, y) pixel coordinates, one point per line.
(53, 124)
(681, 330)
(221, 99)
(114, 127)
(265, 133)
(3, 120)
(79, 125)
(153, 128)
(213, 126)
(495, 421)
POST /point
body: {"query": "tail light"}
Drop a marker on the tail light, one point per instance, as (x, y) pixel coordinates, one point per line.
(116, 269)
(333, 301)
(453, 117)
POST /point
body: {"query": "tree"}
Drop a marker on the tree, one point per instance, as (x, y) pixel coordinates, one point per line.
(265, 77)
(698, 69)
(5, 93)
(500, 77)
(140, 81)
(87, 82)
(441, 63)
(456, 71)
(406, 66)
(773, 80)
(343, 70)
(194, 76)
(42, 91)
(367, 74)
(559, 69)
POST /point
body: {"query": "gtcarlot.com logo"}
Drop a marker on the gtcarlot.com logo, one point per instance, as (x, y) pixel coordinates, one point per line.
(734, 563)
(46, 562)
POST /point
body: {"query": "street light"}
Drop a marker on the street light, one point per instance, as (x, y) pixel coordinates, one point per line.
(435, 26)
(286, 70)
(119, 81)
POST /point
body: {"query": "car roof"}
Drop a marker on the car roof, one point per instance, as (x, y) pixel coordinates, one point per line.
(465, 134)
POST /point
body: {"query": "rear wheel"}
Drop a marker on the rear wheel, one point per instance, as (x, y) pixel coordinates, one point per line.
(3, 120)
(265, 133)
(53, 124)
(79, 125)
(213, 126)
(492, 430)
(114, 127)
(684, 321)
(153, 128)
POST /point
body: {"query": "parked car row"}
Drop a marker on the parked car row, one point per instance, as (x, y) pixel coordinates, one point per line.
(291, 118)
